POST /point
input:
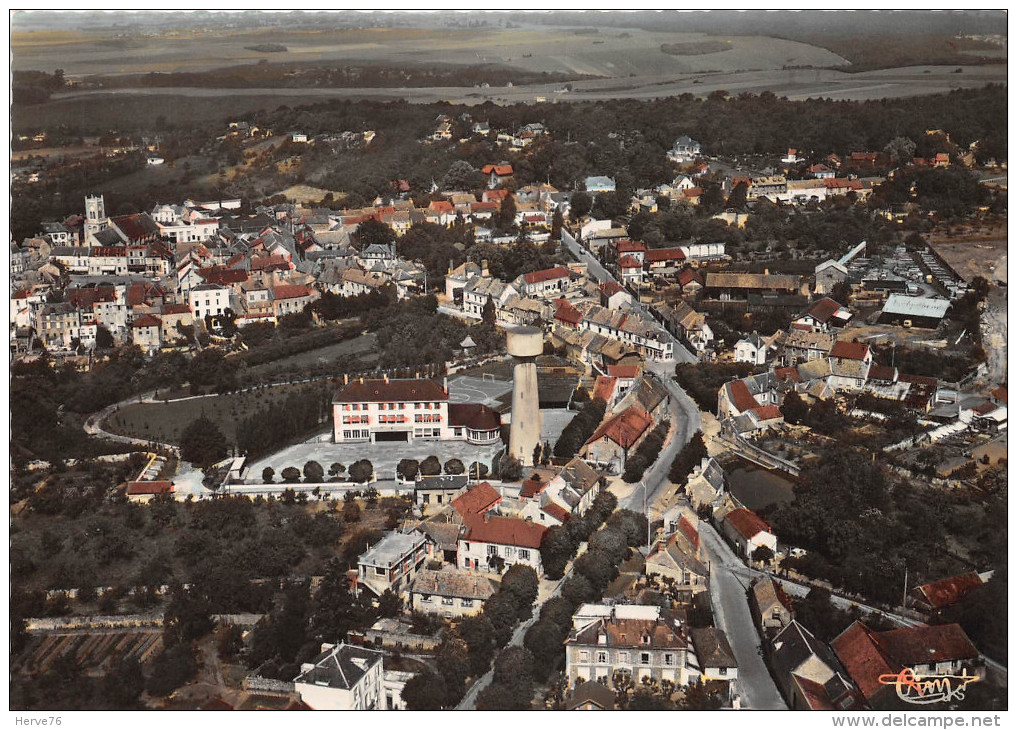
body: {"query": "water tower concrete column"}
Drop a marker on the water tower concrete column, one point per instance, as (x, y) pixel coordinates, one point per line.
(524, 345)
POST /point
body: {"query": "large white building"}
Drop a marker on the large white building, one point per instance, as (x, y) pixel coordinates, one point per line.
(209, 299)
(407, 410)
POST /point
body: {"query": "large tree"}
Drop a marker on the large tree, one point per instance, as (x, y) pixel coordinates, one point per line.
(202, 443)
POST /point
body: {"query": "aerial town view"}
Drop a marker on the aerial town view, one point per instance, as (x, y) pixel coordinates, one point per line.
(489, 360)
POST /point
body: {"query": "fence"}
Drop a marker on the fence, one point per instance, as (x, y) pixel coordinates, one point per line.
(267, 686)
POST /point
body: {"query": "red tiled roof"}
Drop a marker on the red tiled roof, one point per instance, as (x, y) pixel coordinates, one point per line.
(499, 170)
(505, 531)
(604, 388)
(115, 251)
(689, 275)
(949, 590)
(139, 488)
(625, 428)
(476, 501)
(626, 246)
(498, 194)
(983, 408)
(861, 658)
(814, 693)
(567, 313)
(687, 529)
(788, 374)
(627, 262)
(766, 413)
(265, 263)
(395, 391)
(865, 156)
(840, 182)
(655, 255)
(849, 350)
(882, 372)
(925, 644)
(741, 398)
(532, 487)
(942, 157)
(747, 523)
(474, 415)
(999, 394)
(291, 291)
(823, 310)
(536, 277)
(22, 294)
(557, 511)
(610, 288)
(623, 371)
(484, 205)
(137, 227)
(219, 275)
(142, 291)
(692, 192)
(175, 309)
(441, 206)
(146, 320)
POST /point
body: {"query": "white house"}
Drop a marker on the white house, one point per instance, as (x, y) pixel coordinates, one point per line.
(393, 562)
(209, 299)
(492, 542)
(751, 349)
(748, 531)
(343, 677)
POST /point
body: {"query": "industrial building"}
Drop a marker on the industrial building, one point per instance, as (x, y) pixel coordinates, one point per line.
(908, 311)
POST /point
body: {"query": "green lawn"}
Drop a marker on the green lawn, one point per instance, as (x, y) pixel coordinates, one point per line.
(166, 421)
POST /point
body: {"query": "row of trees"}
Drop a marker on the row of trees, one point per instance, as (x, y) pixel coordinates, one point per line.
(561, 542)
(467, 649)
(580, 428)
(517, 670)
(408, 469)
(282, 421)
(647, 453)
(690, 456)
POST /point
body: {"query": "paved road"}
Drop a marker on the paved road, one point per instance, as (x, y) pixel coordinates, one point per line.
(685, 421)
(728, 583)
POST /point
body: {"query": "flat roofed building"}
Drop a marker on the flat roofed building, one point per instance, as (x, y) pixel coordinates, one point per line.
(393, 562)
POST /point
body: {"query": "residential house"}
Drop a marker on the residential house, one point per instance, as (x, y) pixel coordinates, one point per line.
(591, 696)
(173, 316)
(748, 532)
(680, 558)
(771, 606)
(144, 492)
(934, 597)
(685, 149)
(209, 300)
(927, 651)
(686, 323)
(613, 295)
(457, 278)
(639, 641)
(392, 563)
(828, 274)
(808, 674)
(751, 349)
(540, 283)
(146, 333)
(620, 434)
(822, 316)
(450, 593)
(497, 174)
(713, 655)
(291, 298)
(706, 483)
(490, 543)
(600, 184)
(343, 677)
(438, 490)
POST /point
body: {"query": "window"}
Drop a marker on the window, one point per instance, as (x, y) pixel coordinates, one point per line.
(466, 602)
(446, 601)
(427, 499)
(722, 671)
(669, 660)
(584, 656)
(524, 554)
(623, 657)
(601, 657)
(379, 571)
(424, 598)
(492, 549)
(644, 658)
(509, 552)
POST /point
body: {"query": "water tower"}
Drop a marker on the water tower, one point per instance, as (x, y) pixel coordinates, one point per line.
(524, 345)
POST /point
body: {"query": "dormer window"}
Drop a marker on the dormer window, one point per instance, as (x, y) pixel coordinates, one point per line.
(646, 640)
(602, 639)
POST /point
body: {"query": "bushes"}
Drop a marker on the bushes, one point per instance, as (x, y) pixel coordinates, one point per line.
(580, 428)
(646, 454)
(702, 381)
(361, 471)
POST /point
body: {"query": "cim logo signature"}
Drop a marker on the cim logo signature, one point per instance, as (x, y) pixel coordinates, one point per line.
(928, 689)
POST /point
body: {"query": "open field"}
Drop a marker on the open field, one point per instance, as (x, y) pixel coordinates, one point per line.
(614, 52)
(974, 253)
(308, 194)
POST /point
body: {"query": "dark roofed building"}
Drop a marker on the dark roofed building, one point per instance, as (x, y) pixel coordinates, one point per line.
(343, 677)
(450, 593)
